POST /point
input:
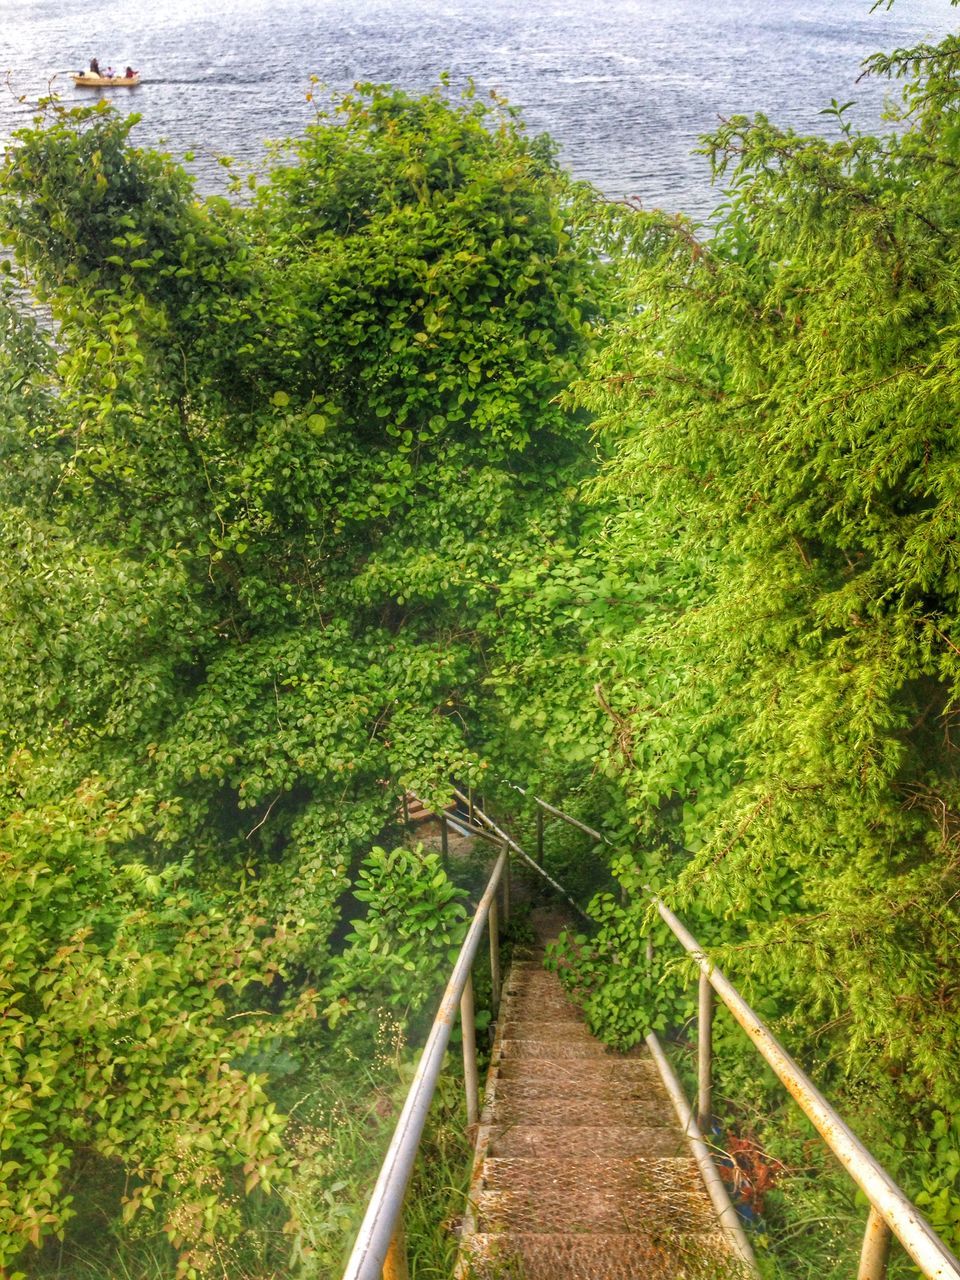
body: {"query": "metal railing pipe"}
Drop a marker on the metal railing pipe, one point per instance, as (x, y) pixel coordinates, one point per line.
(906, 1222)
(383, 1212)
(468, 1038)
(474, 832)
(726, 1213)
(493, 930)
(507, 890)
(521, 853)
(571, 822)
(876, 1248)
(705, 1055)
(395, 1263)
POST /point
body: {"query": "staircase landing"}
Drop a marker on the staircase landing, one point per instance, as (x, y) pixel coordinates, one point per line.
(581, 1171)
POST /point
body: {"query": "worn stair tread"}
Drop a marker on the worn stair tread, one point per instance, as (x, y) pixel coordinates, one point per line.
(530, 975)
(558, 1112)
(590, 1074)
(582, 1172)
(540, 1141)
(542, 991)
(518, 1255)
(557, 1031)
(544, 1028)
(587, 1194)
(542, 1006)
(527, 1047)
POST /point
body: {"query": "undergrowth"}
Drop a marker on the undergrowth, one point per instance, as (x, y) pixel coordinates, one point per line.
(341, 1117)
(804, 1216)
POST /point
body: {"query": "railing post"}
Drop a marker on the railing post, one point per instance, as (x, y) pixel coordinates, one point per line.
(444, 841)
(470, 804)
(876, 1248)
(505, 881)
(648, 952)
(468, 1032)
(705, 1056)
(395, 1263)
(493, 927)
(539, 832)
(405, 808)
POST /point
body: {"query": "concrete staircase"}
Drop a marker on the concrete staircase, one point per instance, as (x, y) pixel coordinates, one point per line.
(581, 1171)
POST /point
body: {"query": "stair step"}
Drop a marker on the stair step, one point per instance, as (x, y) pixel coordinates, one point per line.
(540, 1141)
(535, 992)
(582, 1172)
(524, 1106)
(559, 1028)
(543, 1005)
(607, 1075)
(528, 1047)
(518, 1255)
(587, 1194)
(531, 971)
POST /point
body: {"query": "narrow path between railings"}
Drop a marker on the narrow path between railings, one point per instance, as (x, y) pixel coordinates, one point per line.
(574, 1179)
(582, 1172)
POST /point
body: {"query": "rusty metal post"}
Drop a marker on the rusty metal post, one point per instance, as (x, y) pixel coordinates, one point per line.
(470, 805)
(705, 1056)
(468, 1031)
(539, 832)
(505, 882)
(395, 1263)
(444, 841)
(876, 1248)
(405, 808)
(493, 928)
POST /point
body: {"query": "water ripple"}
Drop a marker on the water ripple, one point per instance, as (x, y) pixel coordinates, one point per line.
(626, 86)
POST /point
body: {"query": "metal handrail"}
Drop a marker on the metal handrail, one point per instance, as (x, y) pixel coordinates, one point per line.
(890, 1208)
(380, 1223)
(378, 1246)
(901, 1216)
(521, 853)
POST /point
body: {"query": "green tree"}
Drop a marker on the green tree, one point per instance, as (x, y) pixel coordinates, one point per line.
(778, 399)
(262, 486)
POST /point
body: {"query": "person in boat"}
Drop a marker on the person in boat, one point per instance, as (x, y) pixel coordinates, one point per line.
(94, 67)
(129, 73)
(109, 73)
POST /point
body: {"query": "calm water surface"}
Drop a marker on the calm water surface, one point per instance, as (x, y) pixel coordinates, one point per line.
(626, 86)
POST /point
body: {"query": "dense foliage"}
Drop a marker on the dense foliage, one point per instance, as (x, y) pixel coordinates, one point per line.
(260, 485)
(779, 404)
(293, 514)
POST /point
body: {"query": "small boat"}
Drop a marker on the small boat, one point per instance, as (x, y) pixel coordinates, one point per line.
(87, 80)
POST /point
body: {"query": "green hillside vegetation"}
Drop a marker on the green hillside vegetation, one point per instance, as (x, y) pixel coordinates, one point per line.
(257, 496)
(414, 462)
(775, 640)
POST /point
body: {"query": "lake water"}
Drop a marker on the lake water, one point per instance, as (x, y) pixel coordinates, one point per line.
(626, 86)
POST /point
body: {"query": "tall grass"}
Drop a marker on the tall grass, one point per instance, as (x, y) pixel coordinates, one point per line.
(341, 1119)
(808, 1223)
